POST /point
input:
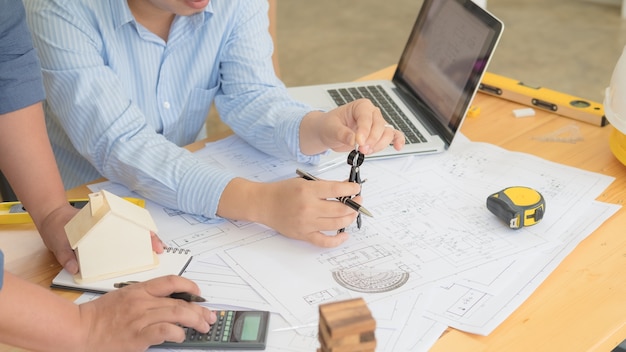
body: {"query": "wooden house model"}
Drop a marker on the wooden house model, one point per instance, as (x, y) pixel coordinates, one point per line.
(111, 237)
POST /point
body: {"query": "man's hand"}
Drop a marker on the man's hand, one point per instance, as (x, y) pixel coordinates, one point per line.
(295, 207)
(340, 129)
(140, 315)
(52, 231)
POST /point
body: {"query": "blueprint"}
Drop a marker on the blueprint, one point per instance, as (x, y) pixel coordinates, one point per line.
(432, 256)
(430, 224)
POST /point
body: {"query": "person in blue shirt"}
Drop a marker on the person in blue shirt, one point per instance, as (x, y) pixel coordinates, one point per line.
(130, 82)
(32, 317)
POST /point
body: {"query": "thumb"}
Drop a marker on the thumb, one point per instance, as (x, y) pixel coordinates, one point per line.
(67, 258)
(71, 266)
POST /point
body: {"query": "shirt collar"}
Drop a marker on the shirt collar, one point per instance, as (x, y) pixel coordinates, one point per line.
(122, 15)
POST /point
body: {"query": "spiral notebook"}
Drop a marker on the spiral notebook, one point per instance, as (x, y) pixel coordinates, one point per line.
(171, 262)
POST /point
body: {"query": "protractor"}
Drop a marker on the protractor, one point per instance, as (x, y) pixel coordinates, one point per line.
(370, 281)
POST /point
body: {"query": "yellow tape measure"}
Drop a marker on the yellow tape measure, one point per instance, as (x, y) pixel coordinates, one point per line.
(15, 213)
(518, 206)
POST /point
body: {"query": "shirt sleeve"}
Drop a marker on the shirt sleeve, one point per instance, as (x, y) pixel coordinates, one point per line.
(252, 100)
(89, 105)
(89, 102)
(20, 75)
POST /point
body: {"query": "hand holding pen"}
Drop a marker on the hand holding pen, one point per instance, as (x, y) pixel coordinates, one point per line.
(345, 200)
(140, 315)
(300, 209)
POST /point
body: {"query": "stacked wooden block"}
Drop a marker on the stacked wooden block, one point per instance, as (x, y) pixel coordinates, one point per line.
(346, 326)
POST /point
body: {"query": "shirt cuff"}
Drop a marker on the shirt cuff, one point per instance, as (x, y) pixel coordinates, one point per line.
(201, 189)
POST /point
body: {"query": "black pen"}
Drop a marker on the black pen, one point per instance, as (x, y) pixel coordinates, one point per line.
(345, 200)
(185, 296)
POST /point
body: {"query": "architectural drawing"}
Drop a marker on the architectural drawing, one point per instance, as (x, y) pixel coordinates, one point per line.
(431, 225)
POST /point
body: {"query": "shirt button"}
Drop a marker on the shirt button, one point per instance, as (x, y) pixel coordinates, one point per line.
(166, 104)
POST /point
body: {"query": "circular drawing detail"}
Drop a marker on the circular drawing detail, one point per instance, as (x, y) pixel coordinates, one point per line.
(370, 281)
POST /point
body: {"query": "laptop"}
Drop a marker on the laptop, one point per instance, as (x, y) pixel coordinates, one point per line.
(435, 81)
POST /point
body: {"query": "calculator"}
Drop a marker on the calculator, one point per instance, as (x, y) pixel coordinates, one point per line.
(240, 330)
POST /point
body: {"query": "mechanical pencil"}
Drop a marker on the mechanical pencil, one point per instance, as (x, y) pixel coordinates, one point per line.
(345, 200)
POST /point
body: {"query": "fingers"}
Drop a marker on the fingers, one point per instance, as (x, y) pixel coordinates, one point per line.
(397, 140)
(302, 209)
(166, 285)
(175, 310)
(327, 241)
(373, 133)
(336, 216)
(367, 116)
(165, 322)
(337, 189)
(327, 213)
(178, 313)
(157, 245)
(64, 254)
(53, 235)
(70, 265)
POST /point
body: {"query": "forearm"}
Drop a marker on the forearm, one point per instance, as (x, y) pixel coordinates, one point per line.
(310, 142)
(30, 166)
(28, 310)
(240, 200)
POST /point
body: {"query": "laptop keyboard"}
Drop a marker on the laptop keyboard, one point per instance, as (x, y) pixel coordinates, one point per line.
(390, 110)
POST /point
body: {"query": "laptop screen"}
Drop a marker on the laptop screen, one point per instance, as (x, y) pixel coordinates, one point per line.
(445, 58)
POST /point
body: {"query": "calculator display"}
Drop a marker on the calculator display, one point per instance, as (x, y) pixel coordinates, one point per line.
(250, 329)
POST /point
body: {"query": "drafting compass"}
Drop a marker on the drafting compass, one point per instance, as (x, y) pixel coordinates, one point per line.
(355, 159)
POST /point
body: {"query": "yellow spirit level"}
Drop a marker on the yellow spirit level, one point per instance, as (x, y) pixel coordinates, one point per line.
(543, 98)
(518, 206)
(15, 213)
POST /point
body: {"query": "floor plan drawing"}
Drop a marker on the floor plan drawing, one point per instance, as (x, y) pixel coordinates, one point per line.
(431, 236)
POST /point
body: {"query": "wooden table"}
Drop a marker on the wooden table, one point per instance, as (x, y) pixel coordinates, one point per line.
(581, 306)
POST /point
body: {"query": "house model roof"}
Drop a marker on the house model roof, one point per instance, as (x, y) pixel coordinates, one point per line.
(101, 205)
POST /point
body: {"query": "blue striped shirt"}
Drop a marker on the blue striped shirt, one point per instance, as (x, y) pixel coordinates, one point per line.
(121, 101)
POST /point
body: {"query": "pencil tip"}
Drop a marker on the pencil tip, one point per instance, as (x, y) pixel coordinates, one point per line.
(366, 212)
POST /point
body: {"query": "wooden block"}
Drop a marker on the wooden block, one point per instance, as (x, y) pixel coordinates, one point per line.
(350, 341)
(347, 322)
(326, 309)
(353, 339)
(363, 312)
(371, 346)
(367, 347)
(346, 326)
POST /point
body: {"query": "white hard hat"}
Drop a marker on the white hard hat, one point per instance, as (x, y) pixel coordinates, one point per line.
(615, 109)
